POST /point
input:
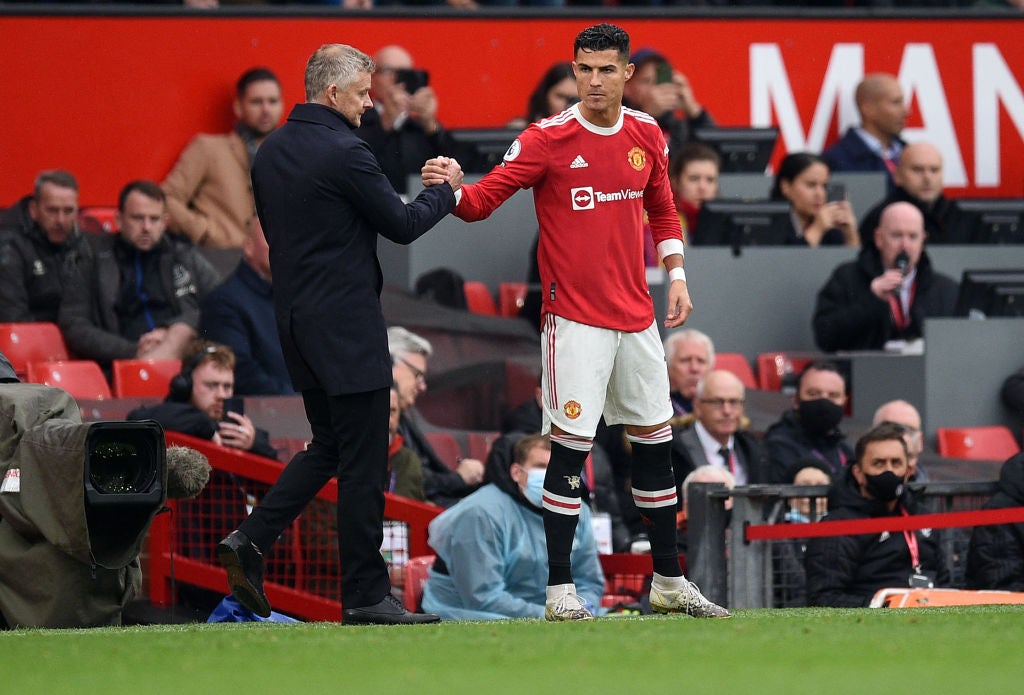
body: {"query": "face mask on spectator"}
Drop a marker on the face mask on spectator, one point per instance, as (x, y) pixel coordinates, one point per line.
(885, 486)
(534, 491)
(820, 416)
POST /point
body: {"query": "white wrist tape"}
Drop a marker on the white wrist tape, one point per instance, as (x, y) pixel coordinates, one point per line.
(677, 274)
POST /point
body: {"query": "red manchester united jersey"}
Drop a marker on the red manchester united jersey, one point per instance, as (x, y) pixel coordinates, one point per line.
(591, 186)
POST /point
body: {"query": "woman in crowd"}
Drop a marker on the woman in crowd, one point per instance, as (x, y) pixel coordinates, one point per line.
(803, 180)
(555, 92)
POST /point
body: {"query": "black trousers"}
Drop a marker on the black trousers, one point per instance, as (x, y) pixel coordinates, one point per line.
(350, 440)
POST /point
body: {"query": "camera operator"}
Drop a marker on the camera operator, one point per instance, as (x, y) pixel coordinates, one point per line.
(402, 129)
(200, 404)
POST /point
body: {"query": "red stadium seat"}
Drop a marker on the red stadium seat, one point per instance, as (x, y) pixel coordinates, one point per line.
(479, 298)
(22, 343)
(992, 443)
(98, 219)
(511, 297)
(81, 378)
(416, 572)
(737, 364)
(479, 444)
(773, 366)
(141, 378)
(446, 447)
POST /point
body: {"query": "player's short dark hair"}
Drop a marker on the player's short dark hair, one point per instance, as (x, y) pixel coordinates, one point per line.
(602, 37)
(887, 431)
(253, 75)
(146, 188)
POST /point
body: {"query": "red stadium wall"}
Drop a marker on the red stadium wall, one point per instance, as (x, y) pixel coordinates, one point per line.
(116, 98)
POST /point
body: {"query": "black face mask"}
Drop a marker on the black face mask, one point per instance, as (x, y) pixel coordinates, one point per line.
(819, 416)
(884, 487)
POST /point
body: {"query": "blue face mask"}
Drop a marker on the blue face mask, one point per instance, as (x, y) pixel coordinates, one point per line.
(534, 491)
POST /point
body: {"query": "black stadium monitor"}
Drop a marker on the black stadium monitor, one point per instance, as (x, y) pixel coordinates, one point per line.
(478, 150)
(990, 220)
(986, 293)
(739, 223)
(743, 150)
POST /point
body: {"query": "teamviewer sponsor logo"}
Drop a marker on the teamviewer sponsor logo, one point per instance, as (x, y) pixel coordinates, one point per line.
(583, 198)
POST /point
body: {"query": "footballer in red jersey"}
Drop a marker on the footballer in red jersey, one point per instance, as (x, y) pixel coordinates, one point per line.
(594, 169)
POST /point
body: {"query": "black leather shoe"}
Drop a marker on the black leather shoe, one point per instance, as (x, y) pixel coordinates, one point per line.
(244, 563)
(389, 611)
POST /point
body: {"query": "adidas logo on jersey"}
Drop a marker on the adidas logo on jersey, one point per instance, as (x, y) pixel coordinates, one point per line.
(579, 163)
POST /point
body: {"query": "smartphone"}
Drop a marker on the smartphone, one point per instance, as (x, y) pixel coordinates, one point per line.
(412, 79)
(662, 73)
(835, 192)
(233, 405)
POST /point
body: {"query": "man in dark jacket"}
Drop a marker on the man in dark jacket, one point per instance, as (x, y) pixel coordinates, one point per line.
(810, 431)
(139, 296)
(874, 145)
(198, 403)
(40, 245)
(995, 559)
(324, 202)
(918, 181)
(715, 436)
(240, 314)
(846, 571)
(887, 293)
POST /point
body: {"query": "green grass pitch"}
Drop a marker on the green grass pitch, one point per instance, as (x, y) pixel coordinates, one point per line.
(974, 650)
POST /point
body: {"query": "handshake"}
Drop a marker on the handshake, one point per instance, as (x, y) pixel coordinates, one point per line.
(442, 170)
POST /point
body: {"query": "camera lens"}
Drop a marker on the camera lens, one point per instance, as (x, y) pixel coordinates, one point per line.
(117, 468)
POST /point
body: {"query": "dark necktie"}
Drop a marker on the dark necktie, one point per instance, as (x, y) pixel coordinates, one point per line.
(727, 459)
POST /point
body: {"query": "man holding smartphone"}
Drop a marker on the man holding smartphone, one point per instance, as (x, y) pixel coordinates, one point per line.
(200, 403)
(402, 129)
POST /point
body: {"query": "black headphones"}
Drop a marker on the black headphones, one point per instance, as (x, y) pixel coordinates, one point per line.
(181, 384)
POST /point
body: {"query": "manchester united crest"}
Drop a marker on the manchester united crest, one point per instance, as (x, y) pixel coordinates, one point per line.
(637, 158)
(572, 409)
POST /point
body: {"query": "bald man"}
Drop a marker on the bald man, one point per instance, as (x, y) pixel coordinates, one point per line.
(874, 145)
(905, 415)
(886, 294)
(402, 127)
(918, 180)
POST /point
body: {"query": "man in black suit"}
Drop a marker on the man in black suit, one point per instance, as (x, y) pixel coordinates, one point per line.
(715, 436)
(323, 202)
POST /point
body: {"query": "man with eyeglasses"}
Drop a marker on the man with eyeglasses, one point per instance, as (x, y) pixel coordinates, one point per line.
(714, 435)
(442, 485)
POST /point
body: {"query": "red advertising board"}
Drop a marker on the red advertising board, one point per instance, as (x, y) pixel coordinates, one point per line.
(116, 98)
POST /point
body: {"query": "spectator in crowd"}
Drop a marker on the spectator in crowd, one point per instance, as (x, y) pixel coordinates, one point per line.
(887, 293)
(693, 173)
(811, 472)
(199, 403)
(995, 557)
(660, 90)
(402, 129)
(491, 554)
(209, 196)
(443, 485)
(802, 180)
(811, 427)
(139, 297)
(874, 145)
(904, 415)
(555, 92)
(714, 434)
(405, 470)
(690, 355)
(239, 313)
(40, 245)
(702, 474)
(918, 181)
(846, 571)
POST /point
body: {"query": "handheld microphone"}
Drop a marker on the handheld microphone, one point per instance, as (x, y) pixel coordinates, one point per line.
(902, 262)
